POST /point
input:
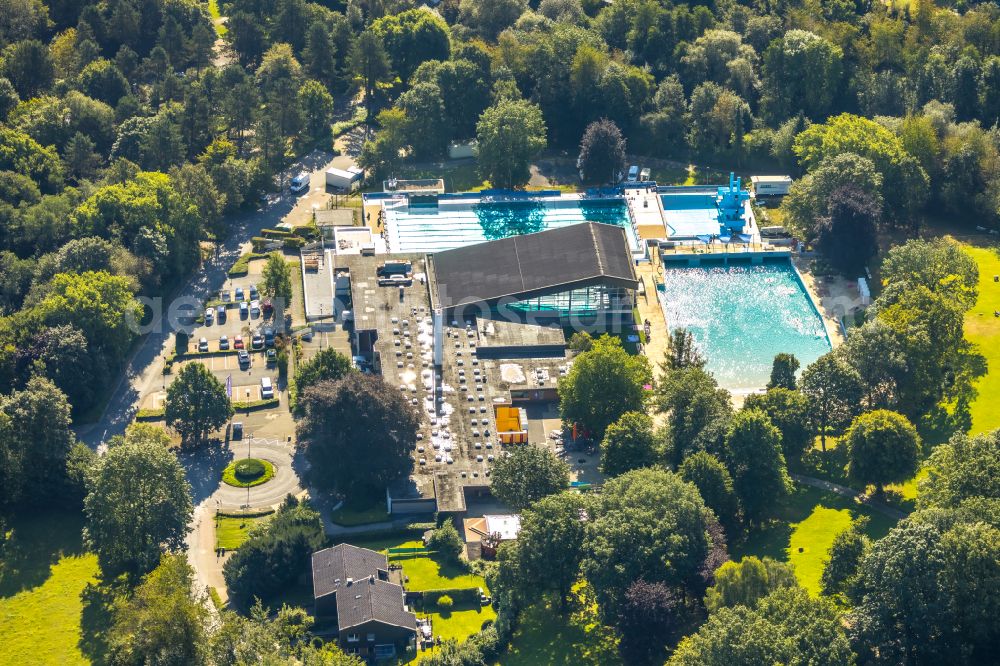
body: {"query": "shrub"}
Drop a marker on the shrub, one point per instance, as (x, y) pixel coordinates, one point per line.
(447, 541)
(445, 602)
(247, 473)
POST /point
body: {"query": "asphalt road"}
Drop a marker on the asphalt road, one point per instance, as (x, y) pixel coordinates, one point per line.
(144, 368)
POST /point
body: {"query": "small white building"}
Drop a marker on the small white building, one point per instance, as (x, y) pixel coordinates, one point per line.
(771, 186)
(344, 179)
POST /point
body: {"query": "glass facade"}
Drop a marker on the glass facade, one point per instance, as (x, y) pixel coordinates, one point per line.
(599, 299)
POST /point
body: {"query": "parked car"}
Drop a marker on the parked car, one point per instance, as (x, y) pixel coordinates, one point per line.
(272, 356)
(203, 345)
(254, 294)
(239, 293)
(220, 313)
(209, 315)
(268, 337)
(266, 388)
(307, 335)
(224, 343)
(254, 308)
(244, 358)
(238, 342)
(237, 433)
(267, 307)
(257, 341)
(226, 296)
(244, 310)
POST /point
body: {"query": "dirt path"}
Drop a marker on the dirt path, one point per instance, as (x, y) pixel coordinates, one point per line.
(851, 493)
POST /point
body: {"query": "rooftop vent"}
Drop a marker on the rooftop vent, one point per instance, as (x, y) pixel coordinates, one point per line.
(350, 581)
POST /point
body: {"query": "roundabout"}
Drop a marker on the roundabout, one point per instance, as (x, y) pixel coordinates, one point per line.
(248, 472)
(258, 492)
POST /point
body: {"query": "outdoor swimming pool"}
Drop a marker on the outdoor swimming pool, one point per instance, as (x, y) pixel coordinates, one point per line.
(741, 316)
(456, 223)
(691, 215)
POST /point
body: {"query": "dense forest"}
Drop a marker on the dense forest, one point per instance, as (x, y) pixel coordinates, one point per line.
(134, 132)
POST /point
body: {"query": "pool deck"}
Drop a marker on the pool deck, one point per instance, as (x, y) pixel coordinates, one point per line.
(831, 297)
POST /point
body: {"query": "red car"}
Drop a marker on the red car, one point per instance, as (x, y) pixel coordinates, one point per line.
(238, 342)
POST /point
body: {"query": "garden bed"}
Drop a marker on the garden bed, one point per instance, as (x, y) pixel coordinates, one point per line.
(247, 472)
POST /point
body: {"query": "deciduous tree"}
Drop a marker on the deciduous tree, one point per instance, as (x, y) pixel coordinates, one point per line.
(163, 621)
(527, 474)
(510, 133)
(604, 383)
(746, 582)
(834, 390)
(754, 459)
(883, 447)
(550, 545)
(276, 278)
(602, 152)
(196, 404)
(358, 433)
(646, 524)
(628, 444)
(138, 502)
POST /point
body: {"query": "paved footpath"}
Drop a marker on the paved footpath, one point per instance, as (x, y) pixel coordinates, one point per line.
(856, 495)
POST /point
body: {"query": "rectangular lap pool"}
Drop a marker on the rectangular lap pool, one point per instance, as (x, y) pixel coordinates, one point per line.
(691, 215)
(448, 224)
(742, 315)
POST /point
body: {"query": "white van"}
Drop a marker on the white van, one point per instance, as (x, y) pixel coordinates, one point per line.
(300, 183)
(266, 388)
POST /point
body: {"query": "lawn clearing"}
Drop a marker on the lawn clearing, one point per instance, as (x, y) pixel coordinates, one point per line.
(807, 523)
(232, 531)
(42, 575)
(544, 636)
(425, 572)
(349, 515)
(460, 622)
(982, 328)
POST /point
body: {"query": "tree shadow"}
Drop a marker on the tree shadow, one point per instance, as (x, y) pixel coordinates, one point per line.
(98, 603)
(36, 542)
(510, 218)
(203, 468)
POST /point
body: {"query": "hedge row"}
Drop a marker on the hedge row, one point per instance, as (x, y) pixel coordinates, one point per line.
(242, 265)
(245, 514)
(150, 414)
(255, 405)
(458, 595)
(290, 243)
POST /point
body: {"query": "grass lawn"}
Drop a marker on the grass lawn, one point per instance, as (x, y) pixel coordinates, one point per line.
(43, 574)
(983, 329)
(461, 622)
(424, 572)
(213, 11)
(544, 636)
(804, 530)
(348, 514)
(231, 531)
(458, 176)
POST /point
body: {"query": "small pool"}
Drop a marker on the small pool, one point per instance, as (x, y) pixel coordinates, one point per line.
(445, 225)
(691, 215)
(742, 316)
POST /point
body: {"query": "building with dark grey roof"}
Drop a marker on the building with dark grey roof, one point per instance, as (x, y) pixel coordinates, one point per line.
(353, 586)
(582, 270)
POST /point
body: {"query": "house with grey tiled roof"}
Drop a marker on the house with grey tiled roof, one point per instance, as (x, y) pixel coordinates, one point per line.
(352, 586)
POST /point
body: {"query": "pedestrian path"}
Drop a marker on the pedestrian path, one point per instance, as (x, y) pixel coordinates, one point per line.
(851, 493)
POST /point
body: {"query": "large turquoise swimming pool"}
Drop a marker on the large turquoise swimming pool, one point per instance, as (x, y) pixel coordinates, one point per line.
(449, 224)
(741, 316)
